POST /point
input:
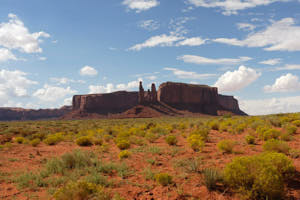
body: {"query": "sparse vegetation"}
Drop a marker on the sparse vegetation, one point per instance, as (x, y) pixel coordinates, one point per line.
(163, 179)
(226, 146)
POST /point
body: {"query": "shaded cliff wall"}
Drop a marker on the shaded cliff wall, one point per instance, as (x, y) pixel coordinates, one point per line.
(194, 98)
(8, 114)
(115, 102)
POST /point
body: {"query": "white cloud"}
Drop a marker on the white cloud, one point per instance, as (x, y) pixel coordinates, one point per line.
(149, 25)
(188, 74)
(64, 80)
(42, 58)
(88, 71)
(205, 61)
(236, 80)
(285, 83)
(194, 41)
(151, 77)
(246, 26)
(281, 35)
(101, 89)
(273, 61)
(230, 7)
(53, 93)
(68, 101)
(6, 55)
(140, 5)
(160, 40)
(13, 84)
(270, 106)
(287, 67)
(14, 35)
(130, 85)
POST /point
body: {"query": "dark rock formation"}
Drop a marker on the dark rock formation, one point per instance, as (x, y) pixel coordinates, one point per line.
(194, 98)
(148, 97)
(115, 102)
(9, 114)
(229, 103)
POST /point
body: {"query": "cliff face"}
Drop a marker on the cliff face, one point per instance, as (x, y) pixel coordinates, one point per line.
(194, 98)
(8, 114)
(115, 102)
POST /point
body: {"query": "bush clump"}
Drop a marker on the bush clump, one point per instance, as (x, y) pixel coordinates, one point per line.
(20, 140)
(52, 139)
(81, 190)
(171, 140)
(250, 139)
(296, 123)
(226, 146)
(211, 178)
(35, 142)
(124, 154)
(84, 141)
(163, 178)
(214, 125)
(270, 134)
(276, 146)
(260, 176)
(196, 142)
(123, 144)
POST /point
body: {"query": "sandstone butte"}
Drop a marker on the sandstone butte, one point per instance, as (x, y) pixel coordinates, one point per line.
(171, 99)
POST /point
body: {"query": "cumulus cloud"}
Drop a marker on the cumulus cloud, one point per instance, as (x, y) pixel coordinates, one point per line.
(149, 25)
(236, 80)
(188, 74)
(64, 80)
(15, 35)
(281, 35)
(273, 61)
(13, 84)
(194, 41)
(68, 101)
(109, 87)
(53, 93)
(206, 61)
(246, 26)
(287, 67)
(230, 7)
(6, 55)
(140, 5)
(88, 71)
(285, 83)
(270, 106)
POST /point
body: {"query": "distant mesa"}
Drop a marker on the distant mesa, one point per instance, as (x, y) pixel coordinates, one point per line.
(171, 99)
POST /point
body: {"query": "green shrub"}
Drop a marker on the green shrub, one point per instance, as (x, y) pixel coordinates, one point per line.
(250, 139)
(270, 134)
(171, 140)
(296, 123)
(151, 137)
(123, 144)
(276, 146)
(20, 140)
(291, 130)
(275, 121)
(226, 146)
(81, 190)
(260, 176)
(52, 139)
(98, 141)
(294, 153)
(202, 132)
(214, 125)
(35, 142)
(124, 154)
(240, 128)
(211, 177)
(286, 137)
(84, 141)
(196, 142)
(163, 178)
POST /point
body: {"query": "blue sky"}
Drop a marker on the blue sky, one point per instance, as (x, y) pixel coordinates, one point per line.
(51, 50)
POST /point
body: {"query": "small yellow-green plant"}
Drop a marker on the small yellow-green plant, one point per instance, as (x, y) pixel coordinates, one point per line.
(124, 154)
(163, 178)
(270, 134)
(35, 142)
(171, 140)
(226, 146)
(214, 125)
(84, 141)
(276, 146)
(296, 123)
(123, 144)
(98, 141)
(20, 140)
(53, 139)
(196, 142)
(250, 139)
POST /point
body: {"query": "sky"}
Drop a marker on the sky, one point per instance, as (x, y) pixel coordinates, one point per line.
(51, 50)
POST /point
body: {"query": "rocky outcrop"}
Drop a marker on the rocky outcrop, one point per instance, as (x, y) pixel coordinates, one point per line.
(229, 103)
(149, 97)
(191, 97)
(9, 114)
(115, 102)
